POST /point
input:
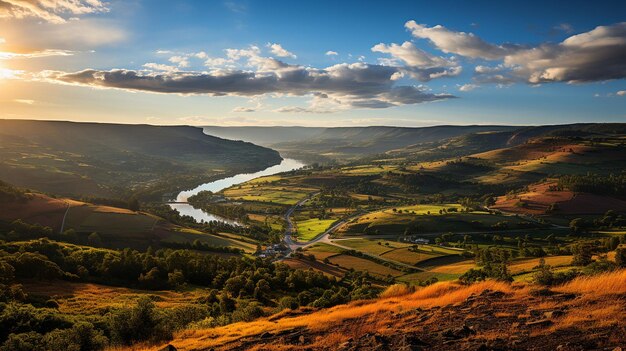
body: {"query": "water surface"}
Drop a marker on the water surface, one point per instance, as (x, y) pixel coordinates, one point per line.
(218, 185)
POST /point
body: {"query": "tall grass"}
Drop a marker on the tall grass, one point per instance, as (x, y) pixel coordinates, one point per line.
(602, 284)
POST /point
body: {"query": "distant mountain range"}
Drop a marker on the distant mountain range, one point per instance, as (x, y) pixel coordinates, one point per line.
(349, 143)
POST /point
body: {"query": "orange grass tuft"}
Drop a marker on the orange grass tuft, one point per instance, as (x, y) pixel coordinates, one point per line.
(598, 285)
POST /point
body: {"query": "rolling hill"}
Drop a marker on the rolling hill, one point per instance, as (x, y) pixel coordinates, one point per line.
(110, 160)
(344, 143)
(116, 227)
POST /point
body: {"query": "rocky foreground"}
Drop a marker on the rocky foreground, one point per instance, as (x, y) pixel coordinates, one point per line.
(584, 315)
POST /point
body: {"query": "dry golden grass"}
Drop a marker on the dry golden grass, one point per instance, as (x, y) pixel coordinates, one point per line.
(592, 308)
(373, 314)
(397, 290)
(88, 298)
(598, 285)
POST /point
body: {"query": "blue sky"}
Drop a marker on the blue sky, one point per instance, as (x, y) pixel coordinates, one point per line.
(211, 62)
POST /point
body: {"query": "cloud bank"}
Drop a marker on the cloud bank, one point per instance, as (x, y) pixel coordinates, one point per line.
(53, 11)
(597, 55)
(355, 85)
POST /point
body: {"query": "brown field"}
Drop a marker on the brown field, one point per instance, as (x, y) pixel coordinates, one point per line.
(305, 264)
(409, 257)
(539, 197)
(515, 267)
(499, 318)
(362, 264)
(39, 209)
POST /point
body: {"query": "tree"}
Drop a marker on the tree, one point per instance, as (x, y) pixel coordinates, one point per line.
(81, 337)
(578, 225)
(620, 257)
(288, 302)
(152, 280)
(133, 204)
(94, 240)
(176, 279)
(137, 324)
(583, 254)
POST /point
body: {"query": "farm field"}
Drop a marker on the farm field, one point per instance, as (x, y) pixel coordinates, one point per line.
(310, 228)
(361, 264)
(372, 246)
(389, 223)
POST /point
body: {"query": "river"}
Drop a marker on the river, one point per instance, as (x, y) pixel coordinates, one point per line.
(286, 165)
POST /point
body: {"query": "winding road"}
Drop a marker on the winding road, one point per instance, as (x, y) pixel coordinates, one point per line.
(325, 236)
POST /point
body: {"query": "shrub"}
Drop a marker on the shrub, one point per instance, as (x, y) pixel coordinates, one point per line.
(288, 302)
(82, 336)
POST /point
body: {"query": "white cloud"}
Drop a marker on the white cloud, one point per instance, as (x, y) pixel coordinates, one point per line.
(621, 93)
(181, 61)
(596, 55)
(25, 101)
(418, 64)
(565, 27)
(411, 55)
(468, 87)
(35, 54)
(244, 109)
(331, 53)
(279, 51)
(53, 11)
(461, 43)
(160, 67)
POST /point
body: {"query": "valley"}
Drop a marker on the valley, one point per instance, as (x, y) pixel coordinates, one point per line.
(493, 224)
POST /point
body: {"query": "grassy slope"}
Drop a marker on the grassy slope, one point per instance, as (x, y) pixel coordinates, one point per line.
(109, 159)
(116, 226)
(515, 319)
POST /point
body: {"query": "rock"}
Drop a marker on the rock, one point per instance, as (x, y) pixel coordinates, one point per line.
(266, 335)
(168, 348)
(553, 314)
(539, 323)
(458, 333)
(617, 349)
(301, 339)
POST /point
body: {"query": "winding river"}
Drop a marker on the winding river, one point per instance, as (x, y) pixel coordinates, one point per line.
(286, 165)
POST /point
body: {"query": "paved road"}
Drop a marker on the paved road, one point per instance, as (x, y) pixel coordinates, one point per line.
(325, 236)
(64, 217)
(289, 229)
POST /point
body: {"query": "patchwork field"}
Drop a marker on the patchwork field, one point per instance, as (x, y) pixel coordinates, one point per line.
(361, 264)
(392, 223)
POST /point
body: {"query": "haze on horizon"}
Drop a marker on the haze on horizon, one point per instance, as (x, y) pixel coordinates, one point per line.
(230, 63)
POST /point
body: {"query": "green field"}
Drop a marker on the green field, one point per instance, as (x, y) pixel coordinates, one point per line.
(268, 194)
(310, 228)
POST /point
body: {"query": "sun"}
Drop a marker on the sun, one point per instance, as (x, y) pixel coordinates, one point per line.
(6, 73)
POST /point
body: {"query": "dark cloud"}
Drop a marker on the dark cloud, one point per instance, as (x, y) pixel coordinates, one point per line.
(356, 85)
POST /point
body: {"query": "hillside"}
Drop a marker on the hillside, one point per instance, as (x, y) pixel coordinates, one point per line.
(108, 160)
(344, 143)
(74, 221)
(584, 314)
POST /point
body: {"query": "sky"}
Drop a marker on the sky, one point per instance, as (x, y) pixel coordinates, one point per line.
(313, 63)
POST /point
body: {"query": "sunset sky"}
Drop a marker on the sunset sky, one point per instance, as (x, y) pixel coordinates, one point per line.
(318, 63)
